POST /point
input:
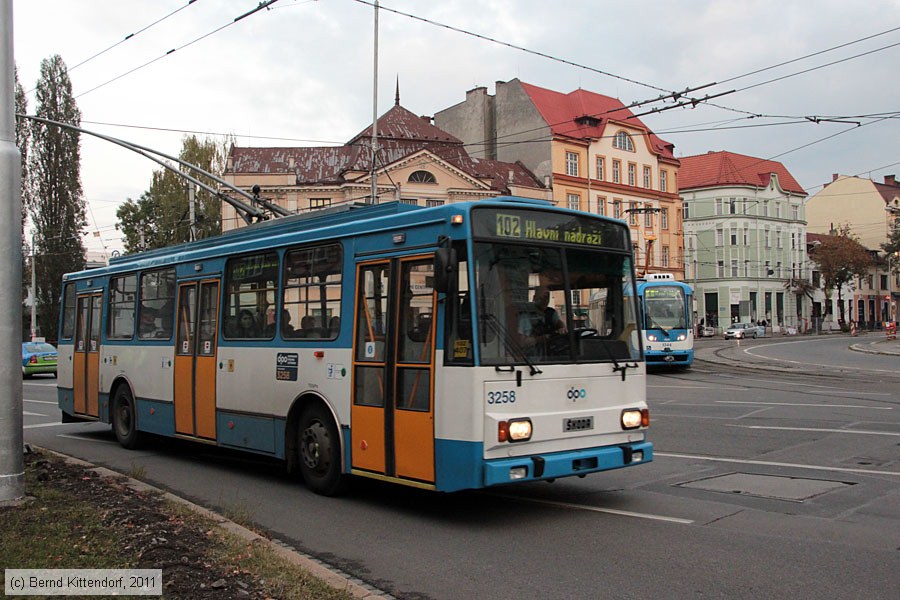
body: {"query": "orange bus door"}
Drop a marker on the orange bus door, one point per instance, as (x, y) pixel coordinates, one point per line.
(86, 360)
(392, 416)
(195, 359)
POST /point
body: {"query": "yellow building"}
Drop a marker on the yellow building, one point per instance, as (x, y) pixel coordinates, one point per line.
(868, 209)
(590, 150)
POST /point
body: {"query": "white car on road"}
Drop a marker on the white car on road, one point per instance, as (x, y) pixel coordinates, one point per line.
(742, 331)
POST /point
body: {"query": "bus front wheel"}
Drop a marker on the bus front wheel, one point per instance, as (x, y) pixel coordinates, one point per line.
(320, 452)
(124, 423)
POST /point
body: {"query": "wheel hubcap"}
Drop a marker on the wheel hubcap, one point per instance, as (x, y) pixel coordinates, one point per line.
(314, 447)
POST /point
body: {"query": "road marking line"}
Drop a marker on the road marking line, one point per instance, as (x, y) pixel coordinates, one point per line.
(832, 389)
(810, 364)
(44, 425)
(822, 430)
(39, 401)
(775, 464)
(611, 511)
(85, 439)
(805, 404)
(53, 384)
(31, 414)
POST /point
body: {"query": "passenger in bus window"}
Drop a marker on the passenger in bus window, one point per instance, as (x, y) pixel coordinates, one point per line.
(246, 325)
(269, 331)
(287, 330)
(148, 328)
(334, 326)
(308, 327)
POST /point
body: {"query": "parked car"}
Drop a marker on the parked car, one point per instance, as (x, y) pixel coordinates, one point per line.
(706, 331)
(38, 357)
(742, 331)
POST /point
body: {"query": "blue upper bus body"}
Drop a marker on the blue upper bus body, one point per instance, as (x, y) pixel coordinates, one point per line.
(665, 306)
(389, 341)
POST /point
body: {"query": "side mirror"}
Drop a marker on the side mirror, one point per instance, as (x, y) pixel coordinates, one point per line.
(444, 269)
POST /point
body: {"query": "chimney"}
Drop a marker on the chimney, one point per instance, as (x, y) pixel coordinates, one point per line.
(834, 176)
(889, 180)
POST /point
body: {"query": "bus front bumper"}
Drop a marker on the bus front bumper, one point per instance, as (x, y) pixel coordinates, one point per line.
(566, 464)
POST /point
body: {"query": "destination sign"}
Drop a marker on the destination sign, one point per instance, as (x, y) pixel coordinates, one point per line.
(664, 292)
(545, 227)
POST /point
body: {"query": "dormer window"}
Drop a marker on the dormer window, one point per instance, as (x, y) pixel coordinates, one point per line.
(622, 141)
(588, 120)
(421, 177)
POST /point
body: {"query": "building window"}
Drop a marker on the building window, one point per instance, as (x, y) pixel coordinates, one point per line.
(718, 206)
(778, 210)
(665, 256)
(746, 268)
(664, 218)
(795, 212)
(410, 201)
(622, 141)
(601, 168)
(765, 207)
(768, 272)
(617, 209)
(663, 180)
(734, 268)
(319, 202)
(778, 269)
(685, 211)
(720, 238)
(648, 217)
(720, 268)
(647, 182)
(766, 237)
(576, 297)
(430, 202)
(632, 174)
(601, 205)
(617, 168)
(778, 238)
(732, 206)
(632, 216)
(573, 202)
(421, 177)
(572, 164)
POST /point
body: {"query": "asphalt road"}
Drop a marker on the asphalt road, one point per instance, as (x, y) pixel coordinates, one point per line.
(773, 483)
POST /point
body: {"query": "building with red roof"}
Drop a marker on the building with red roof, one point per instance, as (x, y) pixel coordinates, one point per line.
(590, 149)
(417, 163)
(745, 241)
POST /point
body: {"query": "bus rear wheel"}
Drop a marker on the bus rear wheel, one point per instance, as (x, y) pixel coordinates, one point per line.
(320, 452)
(124, 423)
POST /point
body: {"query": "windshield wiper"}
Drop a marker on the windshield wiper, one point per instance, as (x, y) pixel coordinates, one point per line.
(510, 344)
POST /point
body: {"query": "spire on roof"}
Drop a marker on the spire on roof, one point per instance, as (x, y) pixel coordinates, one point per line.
(397, 95)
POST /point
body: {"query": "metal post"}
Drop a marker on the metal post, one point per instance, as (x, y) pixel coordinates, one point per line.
(12, 462)
(33, 291)
(374, 198)
(192, 215)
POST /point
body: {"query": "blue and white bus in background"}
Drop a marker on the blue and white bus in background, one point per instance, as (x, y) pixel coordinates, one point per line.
(665, 308)
(420, 346)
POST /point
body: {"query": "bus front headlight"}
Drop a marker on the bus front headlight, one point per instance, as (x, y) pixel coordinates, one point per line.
(632, 418)
(651, 337)
(514, 430)
(682, 337)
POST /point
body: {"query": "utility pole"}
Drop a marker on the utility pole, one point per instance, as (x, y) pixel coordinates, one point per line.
(374, 198)
(192, 216)
(12, 460)
(33, 291)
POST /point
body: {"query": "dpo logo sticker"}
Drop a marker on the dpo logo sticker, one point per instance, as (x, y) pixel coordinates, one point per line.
(576, 394)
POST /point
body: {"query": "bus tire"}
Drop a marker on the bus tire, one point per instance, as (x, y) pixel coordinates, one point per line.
(319, 452)
(124, 423)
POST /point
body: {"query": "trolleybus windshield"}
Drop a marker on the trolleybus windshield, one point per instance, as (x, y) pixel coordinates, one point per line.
(552, 288)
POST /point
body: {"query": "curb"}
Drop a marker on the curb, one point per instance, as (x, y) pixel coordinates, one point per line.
(333, 577)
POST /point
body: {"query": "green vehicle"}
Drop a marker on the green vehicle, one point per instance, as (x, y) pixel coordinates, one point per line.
(38, 357)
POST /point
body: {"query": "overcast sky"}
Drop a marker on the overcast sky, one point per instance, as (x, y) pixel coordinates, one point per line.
(300, 73)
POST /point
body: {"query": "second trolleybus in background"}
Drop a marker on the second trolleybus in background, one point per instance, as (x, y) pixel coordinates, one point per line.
(446, 348)
(665, 307)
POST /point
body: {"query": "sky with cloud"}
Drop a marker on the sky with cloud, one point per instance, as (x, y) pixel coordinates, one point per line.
(300, 73)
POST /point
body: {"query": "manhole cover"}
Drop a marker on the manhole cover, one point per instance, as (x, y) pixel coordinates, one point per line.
(792, 489)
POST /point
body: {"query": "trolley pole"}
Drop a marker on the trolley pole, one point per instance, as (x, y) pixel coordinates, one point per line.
(12, 462)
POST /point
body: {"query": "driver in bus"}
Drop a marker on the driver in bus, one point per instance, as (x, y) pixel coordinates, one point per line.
(550, 322)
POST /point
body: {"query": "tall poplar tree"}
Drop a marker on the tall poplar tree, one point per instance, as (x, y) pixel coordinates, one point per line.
(161, 216)
(22, 138)
(56, 204)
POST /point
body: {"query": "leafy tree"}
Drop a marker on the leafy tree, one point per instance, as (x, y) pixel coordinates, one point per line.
(55, 201)
(892, 246)
(841, 260)
(161, 216)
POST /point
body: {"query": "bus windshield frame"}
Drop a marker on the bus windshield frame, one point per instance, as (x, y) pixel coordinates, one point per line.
(665, 307)
(549, 288)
